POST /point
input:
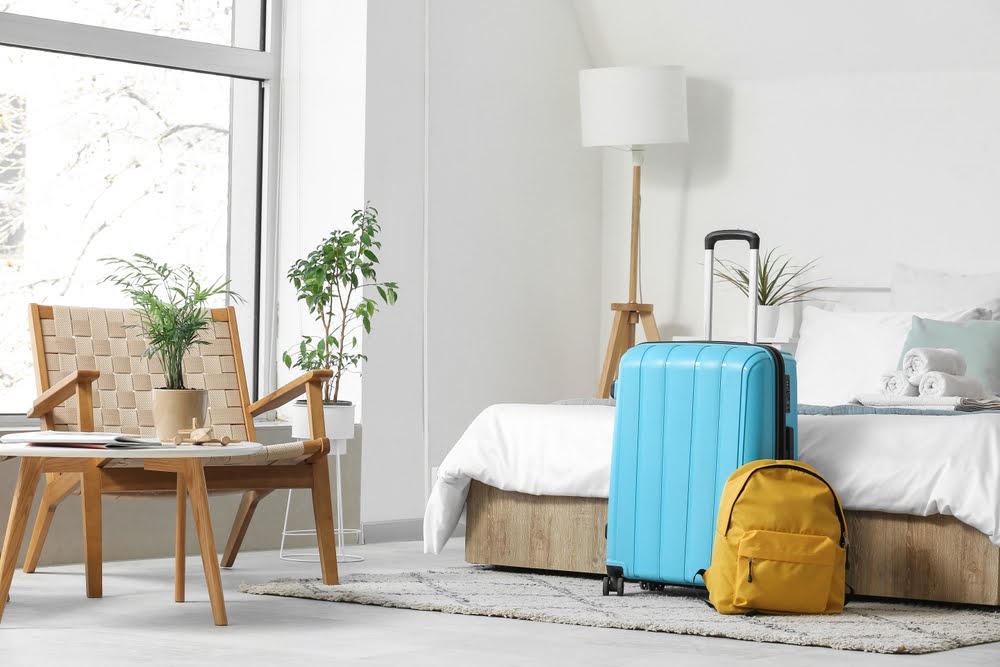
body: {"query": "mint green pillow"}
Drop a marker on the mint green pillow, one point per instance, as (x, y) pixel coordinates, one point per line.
(977, 340)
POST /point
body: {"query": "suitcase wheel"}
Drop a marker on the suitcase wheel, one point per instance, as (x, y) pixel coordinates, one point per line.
(606, 586)
(643, 586)
(620, 586)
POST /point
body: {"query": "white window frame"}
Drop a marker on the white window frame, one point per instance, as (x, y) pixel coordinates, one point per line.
(263, 66)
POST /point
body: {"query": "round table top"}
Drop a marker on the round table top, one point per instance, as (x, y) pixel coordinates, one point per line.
(165, 452)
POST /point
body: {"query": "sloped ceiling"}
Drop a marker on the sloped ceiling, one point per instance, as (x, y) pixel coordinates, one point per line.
(765, 38)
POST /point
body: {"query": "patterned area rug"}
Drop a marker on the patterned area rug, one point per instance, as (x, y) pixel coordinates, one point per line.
(881, 627)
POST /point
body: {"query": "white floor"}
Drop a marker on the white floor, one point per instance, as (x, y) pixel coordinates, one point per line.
(49, 621)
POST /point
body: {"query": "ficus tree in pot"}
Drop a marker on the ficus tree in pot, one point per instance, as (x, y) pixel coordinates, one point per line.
(335, 282)
(173, 308)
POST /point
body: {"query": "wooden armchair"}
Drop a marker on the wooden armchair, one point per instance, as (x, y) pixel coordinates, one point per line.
(92, 375)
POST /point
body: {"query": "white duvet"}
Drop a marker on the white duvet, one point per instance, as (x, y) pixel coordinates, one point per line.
(907, 464)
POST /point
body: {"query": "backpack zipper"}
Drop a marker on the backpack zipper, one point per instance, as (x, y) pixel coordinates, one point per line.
(750, 571)
(838, 510)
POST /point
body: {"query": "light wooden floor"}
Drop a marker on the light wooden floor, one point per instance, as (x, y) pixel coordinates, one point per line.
(50, 622)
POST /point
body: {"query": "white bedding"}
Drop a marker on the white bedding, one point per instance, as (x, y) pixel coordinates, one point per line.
(907, 464)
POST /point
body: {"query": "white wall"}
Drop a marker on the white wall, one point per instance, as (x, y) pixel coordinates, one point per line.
(322, 147)
(860, 132)
(392, 485)
(514, 213)
(496, 195)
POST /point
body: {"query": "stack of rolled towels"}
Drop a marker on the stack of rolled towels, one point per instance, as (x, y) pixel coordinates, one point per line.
(933, 372)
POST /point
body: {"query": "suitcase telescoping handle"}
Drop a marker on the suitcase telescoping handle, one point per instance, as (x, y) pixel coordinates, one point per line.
(753, 240)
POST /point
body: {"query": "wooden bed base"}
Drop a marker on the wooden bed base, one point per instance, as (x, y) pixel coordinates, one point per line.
(935, 558)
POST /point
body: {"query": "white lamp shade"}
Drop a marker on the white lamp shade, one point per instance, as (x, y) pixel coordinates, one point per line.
(633, 106)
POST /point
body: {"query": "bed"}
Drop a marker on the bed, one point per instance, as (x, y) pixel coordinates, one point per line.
(929, 532)
(922, 492)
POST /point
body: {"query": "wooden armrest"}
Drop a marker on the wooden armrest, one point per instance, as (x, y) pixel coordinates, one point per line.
(62, 390)
(290, 391)
(317, 447)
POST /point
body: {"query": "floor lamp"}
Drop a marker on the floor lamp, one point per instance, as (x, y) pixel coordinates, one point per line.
(631, 108)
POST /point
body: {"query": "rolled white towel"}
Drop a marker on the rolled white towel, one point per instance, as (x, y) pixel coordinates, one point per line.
(895, 383)
(939, 384)
(922, 360)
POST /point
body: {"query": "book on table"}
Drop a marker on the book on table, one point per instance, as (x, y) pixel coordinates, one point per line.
(81, 439)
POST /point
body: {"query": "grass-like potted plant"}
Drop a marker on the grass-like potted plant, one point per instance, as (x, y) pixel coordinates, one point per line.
(173, 310)
(331, 281)
(779, 282)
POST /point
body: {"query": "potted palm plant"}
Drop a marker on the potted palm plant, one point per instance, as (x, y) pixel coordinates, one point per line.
(779, 282)
(173, 310)
(331, 281)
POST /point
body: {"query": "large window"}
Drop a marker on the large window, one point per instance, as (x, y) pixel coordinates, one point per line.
(110, 145)
(197, 20)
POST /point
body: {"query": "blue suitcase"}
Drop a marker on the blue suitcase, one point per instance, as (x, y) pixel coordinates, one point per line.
(689, 414)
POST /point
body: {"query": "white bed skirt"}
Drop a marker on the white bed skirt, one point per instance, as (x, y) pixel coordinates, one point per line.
(906, 464)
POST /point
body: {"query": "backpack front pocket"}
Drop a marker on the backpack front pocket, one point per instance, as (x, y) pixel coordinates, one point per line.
(784, 571)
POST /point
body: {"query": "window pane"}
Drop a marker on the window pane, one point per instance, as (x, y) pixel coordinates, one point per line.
(100, 159)
(212, 21)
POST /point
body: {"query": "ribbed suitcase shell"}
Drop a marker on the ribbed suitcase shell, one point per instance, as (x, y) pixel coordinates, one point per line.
(688, 414)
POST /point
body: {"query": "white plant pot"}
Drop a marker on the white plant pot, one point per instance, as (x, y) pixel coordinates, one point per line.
(767, 321)
(338, 418)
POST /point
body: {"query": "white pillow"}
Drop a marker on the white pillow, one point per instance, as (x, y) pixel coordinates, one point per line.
(913, 288)
(841, 355)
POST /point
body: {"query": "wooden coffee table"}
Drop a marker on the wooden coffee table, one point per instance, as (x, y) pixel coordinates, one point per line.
(186, 461)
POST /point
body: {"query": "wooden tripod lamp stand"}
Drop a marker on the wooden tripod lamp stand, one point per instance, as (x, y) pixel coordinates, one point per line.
(631, 108)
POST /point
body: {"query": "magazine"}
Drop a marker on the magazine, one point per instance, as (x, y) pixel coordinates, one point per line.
(81, 439)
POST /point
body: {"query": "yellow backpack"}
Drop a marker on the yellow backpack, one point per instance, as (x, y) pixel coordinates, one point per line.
(780, 542)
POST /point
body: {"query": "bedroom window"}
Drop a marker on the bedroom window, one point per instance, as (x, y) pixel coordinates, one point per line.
(132, 126)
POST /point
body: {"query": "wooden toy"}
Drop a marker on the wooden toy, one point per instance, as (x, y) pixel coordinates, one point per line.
(199, 436)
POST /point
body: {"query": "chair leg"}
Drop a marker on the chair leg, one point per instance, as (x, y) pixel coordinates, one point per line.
(90, 493)
(194, 478)
(57, 487)
(248, 505)
(323, 513)
(180, 548)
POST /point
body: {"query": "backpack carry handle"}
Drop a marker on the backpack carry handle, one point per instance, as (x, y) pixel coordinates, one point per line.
(753, 240)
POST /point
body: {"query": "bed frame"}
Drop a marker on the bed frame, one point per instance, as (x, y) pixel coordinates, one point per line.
(936, 558)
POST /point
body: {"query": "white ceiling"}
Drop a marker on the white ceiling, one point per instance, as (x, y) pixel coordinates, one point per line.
(768, 38)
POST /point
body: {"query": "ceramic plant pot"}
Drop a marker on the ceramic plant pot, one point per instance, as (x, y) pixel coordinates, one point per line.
(767, 321)
(174, 409)
(338, 418)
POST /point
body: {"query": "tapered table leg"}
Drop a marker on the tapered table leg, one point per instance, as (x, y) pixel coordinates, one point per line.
(93, 558)
(24, 494)
(180, 546)
(194, 478)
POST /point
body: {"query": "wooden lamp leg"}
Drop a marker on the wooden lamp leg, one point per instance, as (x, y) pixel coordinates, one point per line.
(611, 358)
(628, 315)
